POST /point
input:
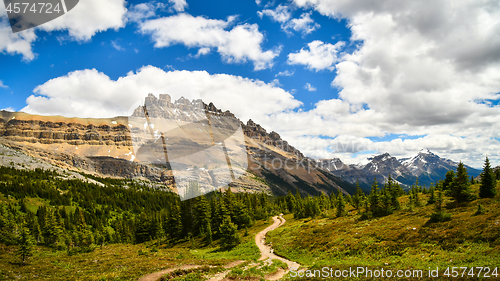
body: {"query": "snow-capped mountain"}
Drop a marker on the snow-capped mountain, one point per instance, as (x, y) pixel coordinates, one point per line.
(427, 166)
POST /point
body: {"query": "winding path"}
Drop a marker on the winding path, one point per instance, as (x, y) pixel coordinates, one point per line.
(266, 252)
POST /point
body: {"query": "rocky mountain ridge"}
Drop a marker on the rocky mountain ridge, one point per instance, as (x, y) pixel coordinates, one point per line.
(104, 146)
(426, 166)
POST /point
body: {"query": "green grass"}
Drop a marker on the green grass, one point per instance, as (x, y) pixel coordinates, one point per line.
(258, 271)
(402, 240)
(247, 250)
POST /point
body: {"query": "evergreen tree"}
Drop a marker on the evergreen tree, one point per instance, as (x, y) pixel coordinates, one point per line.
(290, 201)
(202, 215)
(143, 229)
(208, 234)
(173, 225)
(394, 193)
(220, 213)
(460, 187)
(488, 183)
(374, 198)
(229, 236)
(53, 232)
(34, 227)
(416, 197)
(341, 210)
(357, 198)
(439, 215)
(241, 216)
(450, 175)
(432, 196)
(229, 199)
(299, 211)
(25, 244)
(7, 226)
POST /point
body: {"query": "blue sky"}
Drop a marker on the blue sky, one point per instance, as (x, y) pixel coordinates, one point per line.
(379, 77)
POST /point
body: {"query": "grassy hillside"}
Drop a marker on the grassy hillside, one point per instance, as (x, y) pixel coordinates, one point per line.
(126, 261)
(403, 240)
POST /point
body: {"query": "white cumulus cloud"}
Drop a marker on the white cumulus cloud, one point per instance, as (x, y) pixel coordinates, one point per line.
(236, 44)
(89, 93)
(305, 24)
(320, 55)
(178, 5)
(283, 14)
(90, 17)
(310, 87)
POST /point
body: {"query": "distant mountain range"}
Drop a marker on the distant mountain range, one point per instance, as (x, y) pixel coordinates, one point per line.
(426, 166)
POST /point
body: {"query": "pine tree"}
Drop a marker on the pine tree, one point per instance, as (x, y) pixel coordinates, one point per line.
(432, 197)
(450, 175)
(173, 226)
(220, 213)
(460, 187)
(34, 227)
(25, 243)
(202, 215)
(299, 211)
(358, 196)
(7, 226)
(374, 199)
(488, 184)
(208, 234)
(229, 236)
(290, 201)
(439, 215)
(340, 205)
(53, 231)
(241, 216)
(143, 229)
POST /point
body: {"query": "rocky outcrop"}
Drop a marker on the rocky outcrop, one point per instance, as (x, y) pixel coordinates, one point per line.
(255, 131)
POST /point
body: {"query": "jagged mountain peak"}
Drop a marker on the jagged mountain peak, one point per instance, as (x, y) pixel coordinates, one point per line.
(425, 151)
(382, 157)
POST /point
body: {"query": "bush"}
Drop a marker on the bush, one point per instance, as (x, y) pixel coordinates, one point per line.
(480, 210)
(440, 217)
(366, 215)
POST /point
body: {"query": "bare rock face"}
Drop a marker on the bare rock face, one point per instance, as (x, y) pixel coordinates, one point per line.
(255, 131)
(48, 132)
